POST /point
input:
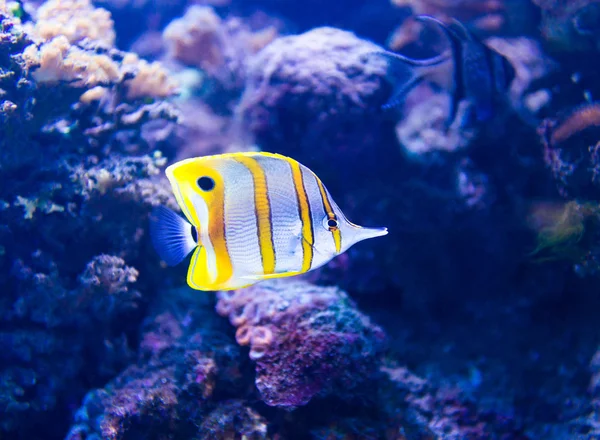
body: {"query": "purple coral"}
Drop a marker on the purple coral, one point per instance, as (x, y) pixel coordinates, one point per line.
(315, 92)
(306, 340)
(430, 412)
(185, 369)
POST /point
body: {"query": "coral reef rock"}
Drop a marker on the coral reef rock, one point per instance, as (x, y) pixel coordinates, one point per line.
(305, 340)
(314, 92)
(78, 165)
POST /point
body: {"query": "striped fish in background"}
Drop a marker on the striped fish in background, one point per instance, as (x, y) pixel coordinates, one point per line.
(252, 216)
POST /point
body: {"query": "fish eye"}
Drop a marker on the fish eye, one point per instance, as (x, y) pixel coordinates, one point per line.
(330, 223)
(206, 183)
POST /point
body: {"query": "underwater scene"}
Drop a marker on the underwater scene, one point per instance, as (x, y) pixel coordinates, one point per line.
(310, 219)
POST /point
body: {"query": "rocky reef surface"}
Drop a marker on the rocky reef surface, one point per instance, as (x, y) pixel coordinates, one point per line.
(475, 318)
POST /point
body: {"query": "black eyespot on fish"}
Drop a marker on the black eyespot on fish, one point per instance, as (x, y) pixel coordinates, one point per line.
(194, 234)
(206, 183)
(332, 223)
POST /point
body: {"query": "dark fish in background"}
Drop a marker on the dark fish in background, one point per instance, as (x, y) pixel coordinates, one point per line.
(471, 72)
(406, 73)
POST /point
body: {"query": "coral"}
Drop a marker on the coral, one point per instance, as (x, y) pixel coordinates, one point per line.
(184, 367)
(234, 418)
(424, 127)
(486, 16)
(305, 340)
(73, 45)
(197, 38)
(568, 231)
(219, 47)
(189, 369)
(571, 150)
(316, 92)
(497, 343)
(531, 65)
(80, 180)
(565, 24)
(60, 62)
(150, 80)
(134, 18)
(587, 427)
(75, 20)
(429, 412)
(594, 389)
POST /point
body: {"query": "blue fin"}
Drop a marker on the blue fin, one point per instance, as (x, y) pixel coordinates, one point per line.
(171, 235)
(405, 73)
(456, 41)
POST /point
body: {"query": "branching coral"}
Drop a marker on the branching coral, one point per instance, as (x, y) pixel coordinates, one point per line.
(75, 20)
(306, 340)
(73, 45)
(60, 62)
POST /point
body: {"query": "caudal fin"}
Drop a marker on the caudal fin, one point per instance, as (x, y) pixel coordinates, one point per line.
(171, 235)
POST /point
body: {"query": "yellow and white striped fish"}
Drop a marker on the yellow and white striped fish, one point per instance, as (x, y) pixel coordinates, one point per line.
(253, 216)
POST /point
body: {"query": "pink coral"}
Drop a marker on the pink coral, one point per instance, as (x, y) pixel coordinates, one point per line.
(306, 340)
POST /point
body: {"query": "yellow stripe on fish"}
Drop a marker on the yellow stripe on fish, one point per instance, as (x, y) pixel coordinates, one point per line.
(252, 216)
(263, 213)
(304, 211)
(332, 222)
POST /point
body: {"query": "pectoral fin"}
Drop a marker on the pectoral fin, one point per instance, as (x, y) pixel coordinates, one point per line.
(171, 235)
